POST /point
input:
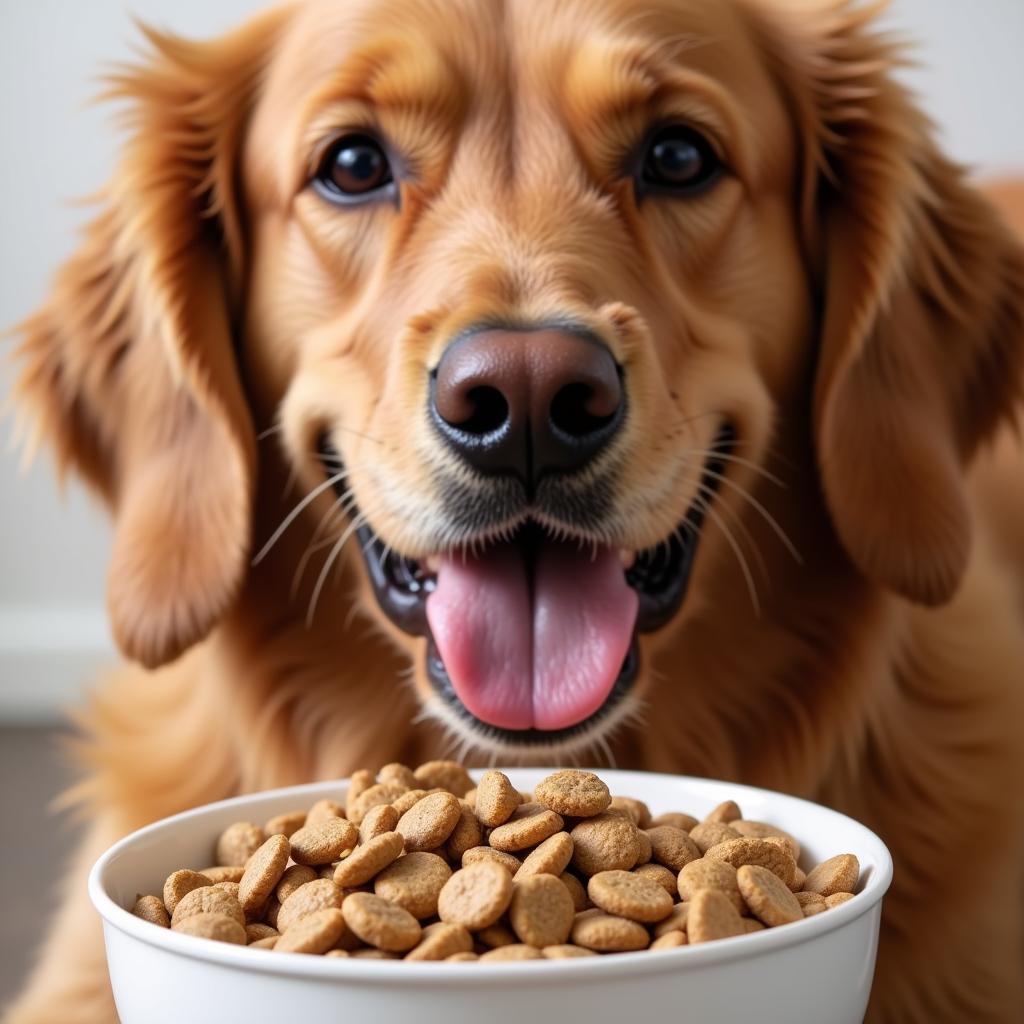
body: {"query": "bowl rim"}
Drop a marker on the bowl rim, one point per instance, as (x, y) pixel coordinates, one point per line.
(428, 974)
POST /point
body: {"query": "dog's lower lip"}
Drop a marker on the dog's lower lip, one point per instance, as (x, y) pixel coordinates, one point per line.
(659, 575)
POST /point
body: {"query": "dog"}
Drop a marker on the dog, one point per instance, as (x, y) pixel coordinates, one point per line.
(628, 381)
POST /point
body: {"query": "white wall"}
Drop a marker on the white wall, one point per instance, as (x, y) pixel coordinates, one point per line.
(56, 148)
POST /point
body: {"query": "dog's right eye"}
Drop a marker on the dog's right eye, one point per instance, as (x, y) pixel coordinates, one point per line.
(354, 169)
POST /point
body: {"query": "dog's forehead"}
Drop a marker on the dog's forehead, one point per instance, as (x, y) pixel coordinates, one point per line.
(439, 54)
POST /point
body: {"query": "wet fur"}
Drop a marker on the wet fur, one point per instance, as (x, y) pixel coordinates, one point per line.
(880, 674)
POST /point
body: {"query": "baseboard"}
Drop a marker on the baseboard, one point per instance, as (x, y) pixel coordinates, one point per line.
(48, 656)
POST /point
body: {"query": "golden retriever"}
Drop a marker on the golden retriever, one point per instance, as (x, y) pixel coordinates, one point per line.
(608, 378)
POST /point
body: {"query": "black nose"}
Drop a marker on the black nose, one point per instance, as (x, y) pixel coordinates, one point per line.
(528, 403)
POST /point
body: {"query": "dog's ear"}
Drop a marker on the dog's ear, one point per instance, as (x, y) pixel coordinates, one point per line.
(922, 306)
(129, 368)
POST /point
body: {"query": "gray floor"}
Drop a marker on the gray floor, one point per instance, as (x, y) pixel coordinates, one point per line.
(36, 843)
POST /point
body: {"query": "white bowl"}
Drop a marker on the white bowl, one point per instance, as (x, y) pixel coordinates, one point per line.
(816, 971)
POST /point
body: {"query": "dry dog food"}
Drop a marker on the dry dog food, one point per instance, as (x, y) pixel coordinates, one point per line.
(423, 865)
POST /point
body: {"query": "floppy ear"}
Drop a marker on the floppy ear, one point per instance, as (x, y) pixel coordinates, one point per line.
(922, 320)
(129, 368)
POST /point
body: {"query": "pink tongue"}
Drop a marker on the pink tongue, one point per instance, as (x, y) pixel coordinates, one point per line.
(545, 664)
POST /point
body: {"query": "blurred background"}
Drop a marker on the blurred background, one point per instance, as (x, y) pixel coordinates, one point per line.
(57, 148)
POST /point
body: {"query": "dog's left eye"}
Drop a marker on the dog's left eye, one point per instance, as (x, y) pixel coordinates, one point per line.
(354, 168)
(679, 159)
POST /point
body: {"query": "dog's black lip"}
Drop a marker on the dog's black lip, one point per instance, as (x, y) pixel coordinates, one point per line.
(402, 589)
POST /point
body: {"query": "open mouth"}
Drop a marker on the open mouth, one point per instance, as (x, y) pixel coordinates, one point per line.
(533, 639)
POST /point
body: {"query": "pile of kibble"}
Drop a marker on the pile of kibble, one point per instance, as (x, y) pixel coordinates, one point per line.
(425, 865)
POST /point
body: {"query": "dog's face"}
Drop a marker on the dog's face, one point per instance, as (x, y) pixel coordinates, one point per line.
(529, 286)
(524, 279)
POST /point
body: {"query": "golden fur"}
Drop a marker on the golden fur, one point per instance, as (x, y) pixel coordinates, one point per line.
(843, 297)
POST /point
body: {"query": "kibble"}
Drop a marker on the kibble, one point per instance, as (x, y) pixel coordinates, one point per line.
(421, 865)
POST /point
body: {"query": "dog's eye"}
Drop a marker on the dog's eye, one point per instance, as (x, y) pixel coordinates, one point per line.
(679, 159)
(354, 168)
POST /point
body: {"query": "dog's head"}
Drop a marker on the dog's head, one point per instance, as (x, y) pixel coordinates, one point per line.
(531, 287)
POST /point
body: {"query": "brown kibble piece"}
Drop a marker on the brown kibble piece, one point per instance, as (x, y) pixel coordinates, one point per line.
(837, 874)
(320, 894)
(565, 951)
(359, 782)
(399, 773)
(636, 810)
(229, 887)
(377, 820)
(676, 819)
(811, 903)
(323, 842)
(262, 874)
(430, 821)
(670, 940)
(762, 830)
(573, 793)
(223, 874)
(324, 809)
(751, 925)
(671, 847)
(710, 874)
(256, 931)
(606, 842)
(295, 875)
(660, 875)
(476, 896)
(268, 943)
(414, 882)
(551, 857)
(580, 899)
(314, 933)
(406, 800)
(496, 799)
(338, 954)
(768, 898)
(461, 958)
(707, 834)
(606, 933)
(448, 775)
(526, 830)
(441, 941)
(374, 954)
(837, 899)
(799, 877)
(712, 916)
(369, 859)
(179, 884)
(152, 909)
(285, 824)
(773, 856)
(468, 832)
(541, 912)
(628, 895)
(373, 796)
(237, 843)
(675, 922)
(508, 861)
(380, 923)
(517, 951)
(726, 812)
(208, 899)
(495, 935)
(218, 927)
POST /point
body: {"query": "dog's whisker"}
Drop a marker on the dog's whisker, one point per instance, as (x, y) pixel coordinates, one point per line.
(295, 512)
(712, 453)
(338, 509)
(270, 431)
(708, 509)
(335, 552)
(735, 517)
(767, 516)
(358, 433)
